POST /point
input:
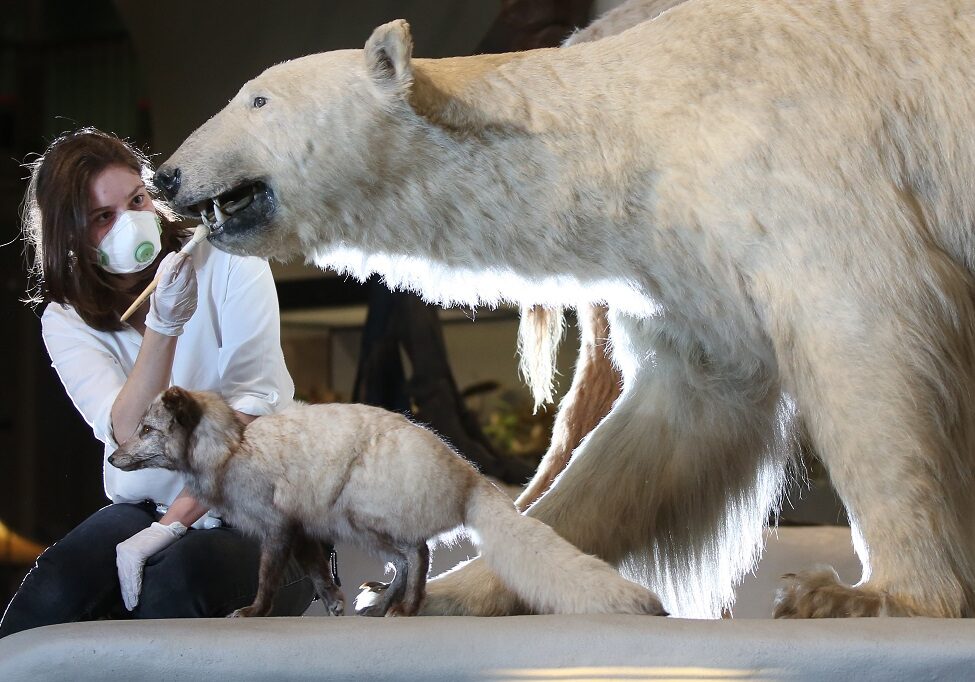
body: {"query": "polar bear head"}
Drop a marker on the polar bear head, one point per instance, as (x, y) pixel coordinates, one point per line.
(322, 125)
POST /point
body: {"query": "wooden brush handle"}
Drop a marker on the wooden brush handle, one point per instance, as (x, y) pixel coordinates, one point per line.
(199, 235)
(141, 299)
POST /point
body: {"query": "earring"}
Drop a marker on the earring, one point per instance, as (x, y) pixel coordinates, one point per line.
(72, 260)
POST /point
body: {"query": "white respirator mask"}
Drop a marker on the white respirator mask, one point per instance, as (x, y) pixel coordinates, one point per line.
(132, 243)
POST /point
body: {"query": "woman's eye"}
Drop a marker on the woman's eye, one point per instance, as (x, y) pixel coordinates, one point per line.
(139, 199)
(104, 217)
(259, 102)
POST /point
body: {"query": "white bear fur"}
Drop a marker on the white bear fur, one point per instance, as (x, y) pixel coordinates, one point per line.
(775, 200)
(595, 381)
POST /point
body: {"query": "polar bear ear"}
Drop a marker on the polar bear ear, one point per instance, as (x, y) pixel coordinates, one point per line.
(388, 52)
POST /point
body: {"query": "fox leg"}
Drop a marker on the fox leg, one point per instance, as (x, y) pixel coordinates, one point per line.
(418, 562)
(275, 551)
(377, 598)
(315, 557)
(403, 595)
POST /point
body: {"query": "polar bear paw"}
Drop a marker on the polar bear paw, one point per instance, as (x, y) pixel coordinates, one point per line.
(819, 593)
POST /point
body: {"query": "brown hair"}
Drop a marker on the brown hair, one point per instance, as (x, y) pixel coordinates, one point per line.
(55, 227)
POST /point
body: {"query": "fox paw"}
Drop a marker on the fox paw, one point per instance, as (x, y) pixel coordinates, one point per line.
(639, 601)
(819, 593)
(334, 603)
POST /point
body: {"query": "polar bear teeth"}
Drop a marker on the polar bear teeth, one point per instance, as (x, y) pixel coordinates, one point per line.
(213, 218)
(231, 207)
(216, 211)
(221, 216)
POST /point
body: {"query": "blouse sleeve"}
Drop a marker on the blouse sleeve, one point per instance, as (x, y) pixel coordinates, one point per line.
(254, 378)
(90, 373)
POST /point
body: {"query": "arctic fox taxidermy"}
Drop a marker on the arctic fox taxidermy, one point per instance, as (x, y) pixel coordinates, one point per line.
(313, 474)
(772, 197)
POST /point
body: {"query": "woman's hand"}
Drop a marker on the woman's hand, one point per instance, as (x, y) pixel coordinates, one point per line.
(173, 302)
(131, 556)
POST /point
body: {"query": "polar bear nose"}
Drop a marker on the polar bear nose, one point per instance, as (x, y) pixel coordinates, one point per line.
(167, 180)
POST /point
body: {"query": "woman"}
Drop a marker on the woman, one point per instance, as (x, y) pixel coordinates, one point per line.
(211, 324)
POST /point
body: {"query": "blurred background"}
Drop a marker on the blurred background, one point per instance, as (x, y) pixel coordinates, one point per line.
(153, 72)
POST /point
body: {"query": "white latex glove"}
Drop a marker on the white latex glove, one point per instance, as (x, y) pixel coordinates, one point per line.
(131, 556)
(173, 302)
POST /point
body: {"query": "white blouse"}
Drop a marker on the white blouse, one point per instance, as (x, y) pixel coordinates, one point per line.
(231, 345)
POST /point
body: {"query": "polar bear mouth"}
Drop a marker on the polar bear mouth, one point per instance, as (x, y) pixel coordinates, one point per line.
(244, 207)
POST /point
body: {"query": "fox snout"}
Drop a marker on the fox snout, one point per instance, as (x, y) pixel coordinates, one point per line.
(127, 461)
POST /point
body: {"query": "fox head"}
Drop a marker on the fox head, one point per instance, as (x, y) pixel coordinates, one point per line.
(162, 438)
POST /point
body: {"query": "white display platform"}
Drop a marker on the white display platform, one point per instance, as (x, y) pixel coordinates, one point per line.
(526, 648)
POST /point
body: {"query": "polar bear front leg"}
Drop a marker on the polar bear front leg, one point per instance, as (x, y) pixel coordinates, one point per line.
(651, 481)
(887, 406)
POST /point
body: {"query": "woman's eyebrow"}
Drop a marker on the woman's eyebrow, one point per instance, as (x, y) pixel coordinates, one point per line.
(140, 187)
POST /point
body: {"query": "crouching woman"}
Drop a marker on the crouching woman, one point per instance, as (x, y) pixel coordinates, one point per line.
(98, 238)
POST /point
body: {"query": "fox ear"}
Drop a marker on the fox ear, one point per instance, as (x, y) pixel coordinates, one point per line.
(185, 409)
(388, 53)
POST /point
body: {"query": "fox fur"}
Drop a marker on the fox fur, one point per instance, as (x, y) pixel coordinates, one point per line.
(313, 474)
(772, 198)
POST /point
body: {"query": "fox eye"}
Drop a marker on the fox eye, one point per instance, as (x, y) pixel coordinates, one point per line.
(259, 102)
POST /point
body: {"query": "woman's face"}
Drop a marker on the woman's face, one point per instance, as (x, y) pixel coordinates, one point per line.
(113, 191)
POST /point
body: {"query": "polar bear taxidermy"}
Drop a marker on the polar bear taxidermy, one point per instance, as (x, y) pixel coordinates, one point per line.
(774, 199)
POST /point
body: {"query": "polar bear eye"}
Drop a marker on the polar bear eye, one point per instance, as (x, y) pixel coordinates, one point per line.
(259, 102)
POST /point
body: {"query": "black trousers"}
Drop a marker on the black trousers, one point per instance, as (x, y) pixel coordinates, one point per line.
(206, 573)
